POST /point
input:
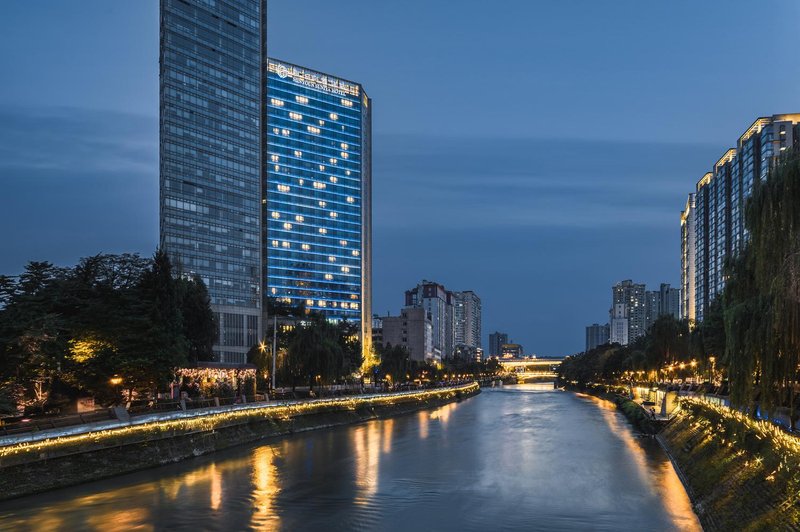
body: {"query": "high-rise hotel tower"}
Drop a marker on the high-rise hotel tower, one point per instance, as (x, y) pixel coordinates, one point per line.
(318, 215)
(242, 168)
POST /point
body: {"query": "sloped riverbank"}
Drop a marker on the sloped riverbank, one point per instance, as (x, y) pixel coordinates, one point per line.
(741, 474)
(31, 467)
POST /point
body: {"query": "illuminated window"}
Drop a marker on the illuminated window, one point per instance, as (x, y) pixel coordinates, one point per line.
(275, 243)
(322, 122)
(353, 296)
(305, 247)
(347, 172)
(319, 185)
(334, 116)
(343, 242)
(299, 218)
(276, 102)
(351, 199)
(334, 179)
(277, 167)
(347, 103)
(333, 160)
(322, 168)
(276, 130)
(334, 214)
(295, 116)
(314, 130)
(323, 203)
(329, 276)
(285, 132)
(323, 231)
(322, 303)
(331, 258)
(354, 306)
(301, 99)
(345, 155)
(298, 153)
(274, 290)
(300, 182)
(345, 269)
(283, 188)
(309, 302)
(345, 304)
(285, 244)
(356, 253)
(345, 146)
(287, 226)
(276, 214)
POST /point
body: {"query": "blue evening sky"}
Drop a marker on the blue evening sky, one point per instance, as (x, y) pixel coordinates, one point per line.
(533, 151)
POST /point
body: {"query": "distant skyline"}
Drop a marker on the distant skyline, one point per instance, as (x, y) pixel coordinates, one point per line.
(535, 154)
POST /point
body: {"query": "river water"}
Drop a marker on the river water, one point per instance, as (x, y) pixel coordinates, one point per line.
(521, 457)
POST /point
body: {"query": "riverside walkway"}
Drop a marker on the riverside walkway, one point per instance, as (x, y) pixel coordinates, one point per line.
(265, 406)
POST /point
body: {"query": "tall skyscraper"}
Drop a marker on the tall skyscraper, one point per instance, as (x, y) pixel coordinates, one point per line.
(688, 237)
(265, 173)
(596, 334)
(632, 296)
(438, 303)
(721, 196)
(467, 319)
(496, 341)
(211, 86)
(317, 210)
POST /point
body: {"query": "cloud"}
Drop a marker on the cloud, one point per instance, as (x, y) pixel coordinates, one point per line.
(429, 181)
(76, 183)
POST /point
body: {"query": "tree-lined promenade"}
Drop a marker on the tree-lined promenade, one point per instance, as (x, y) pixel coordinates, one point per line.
(750, 337)
(119, 327)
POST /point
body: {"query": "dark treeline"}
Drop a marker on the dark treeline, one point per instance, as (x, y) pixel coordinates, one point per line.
(750, 335)
(110, 324)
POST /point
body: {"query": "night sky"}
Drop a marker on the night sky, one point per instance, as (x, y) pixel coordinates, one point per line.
(535, 152)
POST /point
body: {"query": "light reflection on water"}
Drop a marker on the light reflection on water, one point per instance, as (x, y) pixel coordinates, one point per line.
(521, 457)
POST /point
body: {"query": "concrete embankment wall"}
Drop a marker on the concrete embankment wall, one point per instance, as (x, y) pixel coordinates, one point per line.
(741, 474)
(33, 467)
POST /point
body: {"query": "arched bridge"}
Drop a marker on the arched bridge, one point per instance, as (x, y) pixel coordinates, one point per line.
(529, 369)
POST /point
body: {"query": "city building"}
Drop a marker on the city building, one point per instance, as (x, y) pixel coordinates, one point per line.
(666, 301)
(619, 328)
(511, 351)
(438, 303)
(721, 195)
(412, 330)
(377, 331)
(596, 335)
(467, 319)
(317, 206)
(210, 129)
(632, 296)
(687, 309)
(496, 341)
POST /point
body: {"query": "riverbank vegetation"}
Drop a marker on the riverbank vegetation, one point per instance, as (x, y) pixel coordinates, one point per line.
(750, 335)
(742, 473)
(107, 324)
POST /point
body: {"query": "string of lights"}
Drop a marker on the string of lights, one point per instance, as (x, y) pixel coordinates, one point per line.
(212, 421)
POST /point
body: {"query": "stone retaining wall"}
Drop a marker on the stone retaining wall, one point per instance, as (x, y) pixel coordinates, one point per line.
(34, 467)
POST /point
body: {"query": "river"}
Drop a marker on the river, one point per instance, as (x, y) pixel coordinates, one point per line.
(521, 457)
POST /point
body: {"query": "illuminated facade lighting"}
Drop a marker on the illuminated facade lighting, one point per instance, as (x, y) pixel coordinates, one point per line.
(335, 203)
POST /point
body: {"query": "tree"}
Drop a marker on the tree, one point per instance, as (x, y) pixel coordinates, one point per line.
(199, 326)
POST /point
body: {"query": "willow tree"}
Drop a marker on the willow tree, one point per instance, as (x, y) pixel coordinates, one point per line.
(762, 315)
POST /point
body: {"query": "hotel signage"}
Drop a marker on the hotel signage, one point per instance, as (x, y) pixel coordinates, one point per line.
(314, 80)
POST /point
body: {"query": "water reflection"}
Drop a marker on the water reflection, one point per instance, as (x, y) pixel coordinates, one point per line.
(522, 457)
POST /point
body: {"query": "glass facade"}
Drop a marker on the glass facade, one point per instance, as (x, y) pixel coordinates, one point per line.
(210, 157)
(721, 197)
(317, 208)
